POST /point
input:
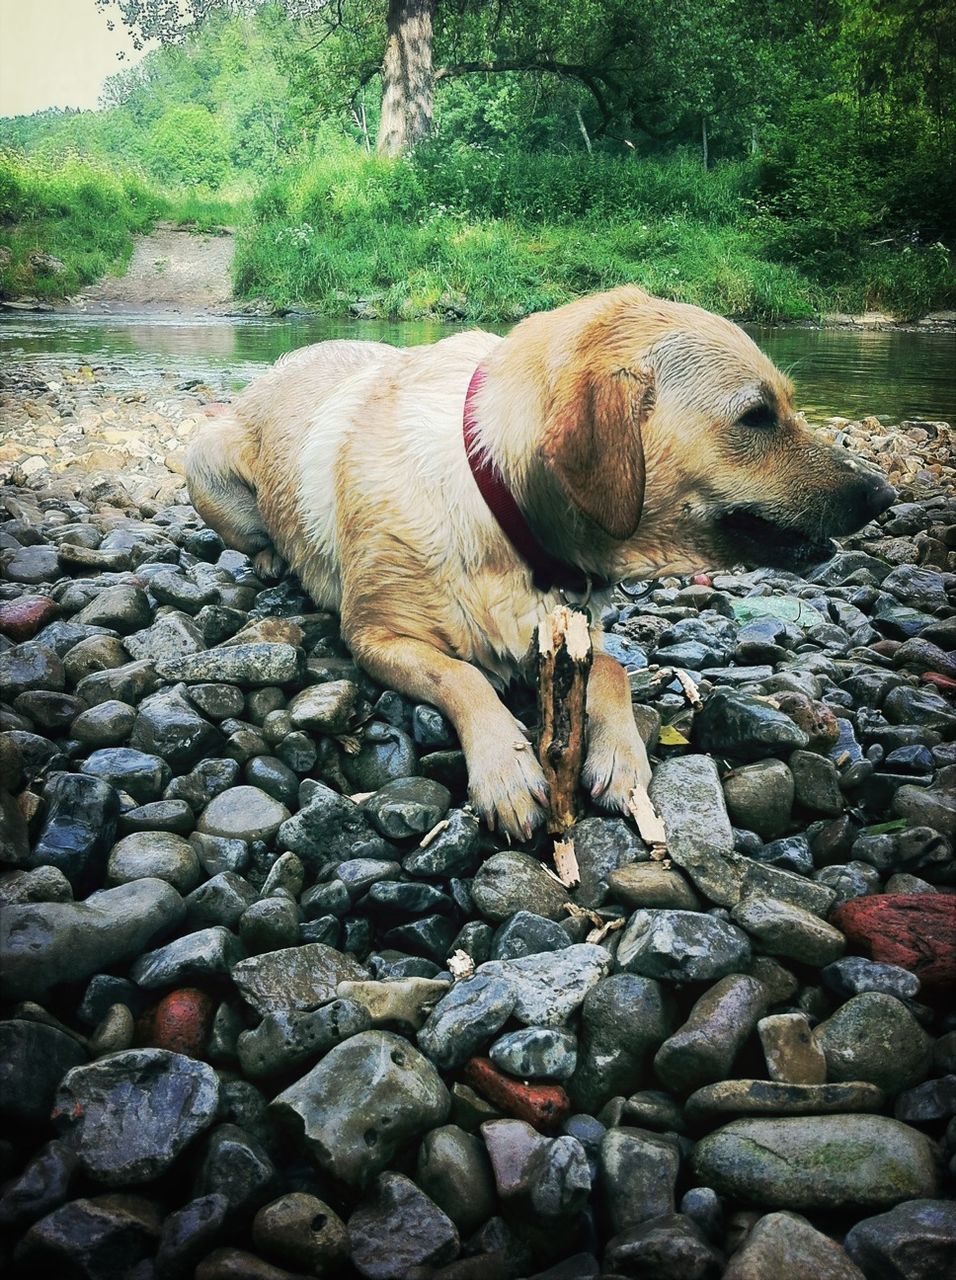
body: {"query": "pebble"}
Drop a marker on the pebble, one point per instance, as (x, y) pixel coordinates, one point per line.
(129, 1116)
(638, 1175)
(817, 1162)
(681, 946)
(301, 1231)
(189, 683)
(367, 1098)
(874, 1037)
(916, 1240)
(785, 1244)
(398, 1227)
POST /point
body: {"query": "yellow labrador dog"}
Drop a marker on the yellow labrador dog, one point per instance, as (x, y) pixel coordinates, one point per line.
(441, 498)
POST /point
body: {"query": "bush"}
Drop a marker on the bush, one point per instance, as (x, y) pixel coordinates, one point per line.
(187, 146)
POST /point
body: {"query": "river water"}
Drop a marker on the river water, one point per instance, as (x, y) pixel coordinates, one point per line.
(895, 374)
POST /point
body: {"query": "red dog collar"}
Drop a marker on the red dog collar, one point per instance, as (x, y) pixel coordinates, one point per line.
(547, 572)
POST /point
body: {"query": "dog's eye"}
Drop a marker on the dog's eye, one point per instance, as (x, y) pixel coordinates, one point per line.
(761, 417)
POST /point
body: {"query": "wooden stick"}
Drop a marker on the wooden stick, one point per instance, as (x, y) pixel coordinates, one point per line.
(564, 663)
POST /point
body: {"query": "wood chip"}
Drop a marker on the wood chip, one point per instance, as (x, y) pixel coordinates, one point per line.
(460, 965)
(645, 815)
(598, 935)
(691, 692)
(566, 862)
(584, 913)
(436, 830)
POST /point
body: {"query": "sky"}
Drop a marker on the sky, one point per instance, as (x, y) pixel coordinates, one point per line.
(56, 53)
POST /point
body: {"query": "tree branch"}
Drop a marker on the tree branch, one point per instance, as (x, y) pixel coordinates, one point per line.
(596, 82)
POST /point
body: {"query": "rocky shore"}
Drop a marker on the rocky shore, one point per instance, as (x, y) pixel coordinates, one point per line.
(274, 1005)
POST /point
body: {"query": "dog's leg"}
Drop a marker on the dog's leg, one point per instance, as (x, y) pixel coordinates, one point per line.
(223, 495)
(505, 781)
(617, 758)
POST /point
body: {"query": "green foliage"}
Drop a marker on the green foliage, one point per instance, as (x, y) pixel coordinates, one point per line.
(75, 210)
(187, 145)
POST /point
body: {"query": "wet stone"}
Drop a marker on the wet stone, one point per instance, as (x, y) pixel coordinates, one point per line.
(324, 708)
(45, 944)
(466, 1018)
(159, 854)
(914, 1240)
(174, 817)
(170, 636)
(705, 1047)
(295, 978)
(78, 830)
(527, 934)
(331, 827)
(623, 1018)
(785, 1244)
(38, 1054)
(168, 726)
(852, 975)
(538, 1053)
(741, 726)
(602, 846)
(453, 851)
(681, 946)
(551, 985)
(406, 1002)
(874, 1037)
(204, 954)
(108, 724)
(776, 1098)
(638, 1173)
(237, 1166)
(817, 1162)
(387, 753)
(42, 1185)
(927, 1103)
(122, 609)
(760, 797)
(649, 884)
(217, 701)
(510, 882)
(454, 1171)
(783, 929)
(188, 1234)
(130, 1115)
(791, 1053)
(407, 807)
(398, 1227)
(97, 1237)
(365, 1100)
(301, 1232)
(141, 774)
(202, 784)
(242, 813)
(244, 664)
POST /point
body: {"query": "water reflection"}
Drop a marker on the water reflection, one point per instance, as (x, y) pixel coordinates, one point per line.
(895, 375)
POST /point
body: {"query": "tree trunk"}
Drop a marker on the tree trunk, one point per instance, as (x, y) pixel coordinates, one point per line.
(406, 77)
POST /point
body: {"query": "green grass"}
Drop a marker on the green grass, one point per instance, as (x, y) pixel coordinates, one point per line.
(494, 237)
(467, 232)
(77, 211)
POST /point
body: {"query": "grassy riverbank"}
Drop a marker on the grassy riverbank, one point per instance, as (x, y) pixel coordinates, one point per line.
(470, 233)
(67, 222)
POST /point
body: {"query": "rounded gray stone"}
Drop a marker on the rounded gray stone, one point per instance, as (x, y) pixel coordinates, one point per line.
(682, 946)
(817, 1162)
(366, 1100)
(130, 1115)
(510, 882)
(536, 1053)
(154, 853)
(874, 1037)
(242, 813)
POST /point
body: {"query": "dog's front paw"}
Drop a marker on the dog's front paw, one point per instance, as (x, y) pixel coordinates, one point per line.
(268, 563)
(506, 786)
(615, 765)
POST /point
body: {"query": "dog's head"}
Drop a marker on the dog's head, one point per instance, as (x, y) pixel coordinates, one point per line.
(676, 440)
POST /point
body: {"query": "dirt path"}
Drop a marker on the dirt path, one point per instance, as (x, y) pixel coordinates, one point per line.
(172, 268)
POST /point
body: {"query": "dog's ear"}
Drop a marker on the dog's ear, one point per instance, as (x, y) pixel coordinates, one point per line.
(593, 444)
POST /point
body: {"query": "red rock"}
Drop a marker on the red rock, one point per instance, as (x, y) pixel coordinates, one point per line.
(945, 684)
(702, 580)
(914, 930)
(544, 1106)
(182, 1021)
(22, 618)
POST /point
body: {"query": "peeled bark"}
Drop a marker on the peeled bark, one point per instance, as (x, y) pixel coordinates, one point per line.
(407, 79)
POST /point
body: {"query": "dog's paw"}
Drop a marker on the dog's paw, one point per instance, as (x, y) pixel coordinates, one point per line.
(615, 765)
(268, 563)
(506, 786)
